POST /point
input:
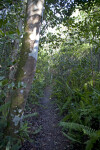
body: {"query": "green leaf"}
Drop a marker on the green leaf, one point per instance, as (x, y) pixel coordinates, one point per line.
(0, 83)
(17, 30)
(4, 82)
(2, 77)
(38, 130)
(70, 138)
(8, 147)
(1, 33)
(4, 109)
(31, 115)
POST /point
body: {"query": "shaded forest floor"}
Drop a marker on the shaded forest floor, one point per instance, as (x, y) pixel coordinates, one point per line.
(48, 134)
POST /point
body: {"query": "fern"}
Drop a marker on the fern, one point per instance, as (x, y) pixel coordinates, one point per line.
(93, 138)
(4, 109)
(68, 116)
(93, 134)
(35, 114)
(78, 127)
(89, 143)
(65, 105)
(70, 137)
(37, 130)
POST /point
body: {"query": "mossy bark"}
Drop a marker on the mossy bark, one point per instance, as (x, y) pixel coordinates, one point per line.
(26, 66)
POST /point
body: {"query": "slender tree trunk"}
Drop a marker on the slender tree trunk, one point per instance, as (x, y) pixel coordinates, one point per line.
(99, 62)
(91, 60)
(27, 64)
(91, 53)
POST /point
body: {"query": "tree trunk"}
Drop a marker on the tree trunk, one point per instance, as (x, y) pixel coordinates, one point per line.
(27, 64)
(99, 63)
(91, 60)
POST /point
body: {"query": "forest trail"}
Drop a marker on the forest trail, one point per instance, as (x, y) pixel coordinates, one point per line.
(50, 136)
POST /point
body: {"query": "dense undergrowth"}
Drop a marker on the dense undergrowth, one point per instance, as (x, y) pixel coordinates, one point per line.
(76, 80)
(77, 94)
(69, 60)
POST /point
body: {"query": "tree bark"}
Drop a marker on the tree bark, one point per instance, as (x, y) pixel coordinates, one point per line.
(99, 63)
(27, 64)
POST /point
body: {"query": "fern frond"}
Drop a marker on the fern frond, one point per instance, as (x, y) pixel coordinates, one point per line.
(70, 138)
(66, 103)
(78, 127)
(70, 125)
(35, 114)
(93, 134)
(4, 109)
(89, 143)
(66, 117)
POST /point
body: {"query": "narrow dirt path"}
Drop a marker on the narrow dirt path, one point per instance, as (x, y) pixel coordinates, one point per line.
(50, 136)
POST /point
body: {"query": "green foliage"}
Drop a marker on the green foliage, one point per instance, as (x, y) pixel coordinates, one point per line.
(76, 79)
(12, 144)
(4, 109)
(69, 59)
(23, 131)
(11, 13)
(31, 115)
(94, 135)
(37, 130)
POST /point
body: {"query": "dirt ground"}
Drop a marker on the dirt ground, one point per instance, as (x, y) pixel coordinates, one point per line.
(50, 136)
